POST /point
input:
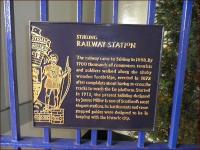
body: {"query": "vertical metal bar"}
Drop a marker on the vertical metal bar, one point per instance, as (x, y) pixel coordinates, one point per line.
(151, 11)
(12, 73)
(79, 19)
(109, 137)
(47, 135)
(141, 139)
(44, 17)
(150, 20)
(78, 136)
(115, 21)
(79, 10)
(115, 12)
(97, 19)
(180, 72)
(43, 10)
(97, 9)
(94, 137)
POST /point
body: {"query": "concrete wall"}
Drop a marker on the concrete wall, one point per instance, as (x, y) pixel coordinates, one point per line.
(130, 12)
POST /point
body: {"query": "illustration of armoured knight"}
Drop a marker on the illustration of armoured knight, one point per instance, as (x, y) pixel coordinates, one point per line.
(54, 76)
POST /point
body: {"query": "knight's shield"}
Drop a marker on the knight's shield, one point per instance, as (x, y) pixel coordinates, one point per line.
(40, 46)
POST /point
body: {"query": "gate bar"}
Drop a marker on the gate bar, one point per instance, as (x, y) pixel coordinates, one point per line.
(79, 19)
(109, 137)
(93, 137)
(115, 12)
(44, 17)
(97, 11)
(114, 21)
(12, 72)
(151, 11)
(141, 139)
(79, 10)
(78, 136)
(47, 135)
(150, 20)
(180, 72)
(97, 19)
(43, 10)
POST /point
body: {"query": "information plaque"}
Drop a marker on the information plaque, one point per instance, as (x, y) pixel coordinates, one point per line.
(95, 76)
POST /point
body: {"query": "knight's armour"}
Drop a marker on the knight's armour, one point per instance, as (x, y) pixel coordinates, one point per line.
(54, 76)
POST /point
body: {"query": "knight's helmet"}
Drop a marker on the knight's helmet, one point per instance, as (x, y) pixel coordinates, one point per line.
(40, 46)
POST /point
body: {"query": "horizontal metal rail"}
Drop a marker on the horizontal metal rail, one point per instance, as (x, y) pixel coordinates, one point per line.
(32, 142)
(46, 142)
